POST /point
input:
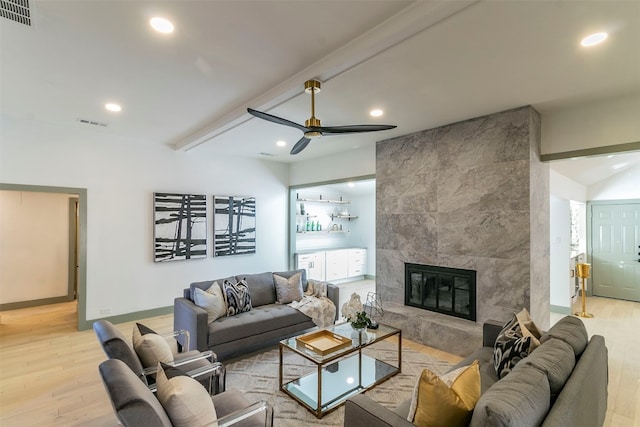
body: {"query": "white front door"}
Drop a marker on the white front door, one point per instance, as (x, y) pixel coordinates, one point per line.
(615, 253)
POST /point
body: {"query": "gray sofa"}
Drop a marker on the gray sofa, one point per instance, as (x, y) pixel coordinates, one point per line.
(263, 326)
(561, 383)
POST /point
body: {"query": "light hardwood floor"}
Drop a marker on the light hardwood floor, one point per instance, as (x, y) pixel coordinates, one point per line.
(49, 376)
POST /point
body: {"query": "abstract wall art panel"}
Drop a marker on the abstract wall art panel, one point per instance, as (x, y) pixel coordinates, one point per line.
(234, 225)
(180, 226)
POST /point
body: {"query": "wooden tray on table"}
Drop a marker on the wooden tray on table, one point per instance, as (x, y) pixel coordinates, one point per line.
(323, 341)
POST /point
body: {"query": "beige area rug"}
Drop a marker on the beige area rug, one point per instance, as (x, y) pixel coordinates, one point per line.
(257, 376)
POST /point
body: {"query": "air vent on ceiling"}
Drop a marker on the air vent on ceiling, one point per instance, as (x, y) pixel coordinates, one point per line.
(91, 122)
(16, 10)
(267, 154)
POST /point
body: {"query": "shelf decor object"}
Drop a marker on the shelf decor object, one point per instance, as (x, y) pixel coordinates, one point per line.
(234, 225)
(180, 226)
(582, 270)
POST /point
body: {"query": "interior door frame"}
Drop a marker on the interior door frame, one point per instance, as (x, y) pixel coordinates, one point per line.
(589, 228)
(81, 194)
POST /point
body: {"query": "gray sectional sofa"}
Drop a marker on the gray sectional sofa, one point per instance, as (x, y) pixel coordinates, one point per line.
(561, 383)
(263, 326)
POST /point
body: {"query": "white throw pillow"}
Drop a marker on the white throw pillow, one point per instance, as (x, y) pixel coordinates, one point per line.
(185, 400)
(212, 301)
(150, 347)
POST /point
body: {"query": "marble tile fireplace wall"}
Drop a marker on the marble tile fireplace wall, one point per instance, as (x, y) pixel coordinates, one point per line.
(470, 195)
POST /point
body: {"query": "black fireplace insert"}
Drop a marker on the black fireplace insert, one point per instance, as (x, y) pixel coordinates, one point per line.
(445, 290)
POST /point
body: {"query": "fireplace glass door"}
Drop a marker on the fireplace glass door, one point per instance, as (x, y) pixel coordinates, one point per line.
(441, 289)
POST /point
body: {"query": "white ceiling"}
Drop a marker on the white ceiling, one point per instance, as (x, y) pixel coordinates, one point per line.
(425, 63)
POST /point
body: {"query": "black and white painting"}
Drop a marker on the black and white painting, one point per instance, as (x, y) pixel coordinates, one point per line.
(234, 225)
(180, 230)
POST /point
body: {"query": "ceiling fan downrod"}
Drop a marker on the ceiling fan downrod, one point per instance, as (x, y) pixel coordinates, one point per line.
(312, 86)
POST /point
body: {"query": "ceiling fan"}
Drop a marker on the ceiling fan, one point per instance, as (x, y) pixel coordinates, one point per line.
(312, 128)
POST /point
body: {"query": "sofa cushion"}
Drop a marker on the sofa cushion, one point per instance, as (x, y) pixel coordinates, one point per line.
(262, 319)
(556, 360)
(570, 330)
(519, 337)
(261, 288)
(212, 300)
(446, 402)
(185, 400)
(288, 290)
(520, 399)
(236, 297)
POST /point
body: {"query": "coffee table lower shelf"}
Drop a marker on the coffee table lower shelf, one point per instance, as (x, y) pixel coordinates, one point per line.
(339, 381)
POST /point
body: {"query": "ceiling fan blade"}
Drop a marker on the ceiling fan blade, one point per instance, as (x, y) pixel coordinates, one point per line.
(275, 119)
(328, 130)
(300, 145)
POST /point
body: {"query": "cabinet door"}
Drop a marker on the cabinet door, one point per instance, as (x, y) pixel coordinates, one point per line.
(313, 263)
(357, 262)
(336, 265)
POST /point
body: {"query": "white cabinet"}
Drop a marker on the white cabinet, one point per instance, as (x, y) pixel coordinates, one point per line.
(357, 262)
(313, 263)
(332, 265)
(337, 264)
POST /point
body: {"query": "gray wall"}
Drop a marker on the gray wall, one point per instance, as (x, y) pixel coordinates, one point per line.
(470, 195)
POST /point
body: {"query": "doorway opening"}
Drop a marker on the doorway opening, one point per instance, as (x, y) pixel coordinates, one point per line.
(57, 241)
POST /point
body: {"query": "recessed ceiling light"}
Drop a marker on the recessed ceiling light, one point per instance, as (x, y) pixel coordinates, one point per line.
(594, 39)
(376, 113)
(351, 184)
(116, 108)
(281, 143)
(161, 25)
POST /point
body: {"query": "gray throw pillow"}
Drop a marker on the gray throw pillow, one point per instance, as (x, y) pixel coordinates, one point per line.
(288, 290)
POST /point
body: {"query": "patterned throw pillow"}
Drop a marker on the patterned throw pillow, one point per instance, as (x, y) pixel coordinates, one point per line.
(236, 296)
(519, 337)
(288, 290)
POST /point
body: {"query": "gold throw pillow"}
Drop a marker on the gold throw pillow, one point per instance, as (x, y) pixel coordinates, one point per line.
(441, 405)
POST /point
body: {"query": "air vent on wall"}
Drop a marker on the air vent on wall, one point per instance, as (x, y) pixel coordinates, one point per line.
(91, 122)
(16, 10)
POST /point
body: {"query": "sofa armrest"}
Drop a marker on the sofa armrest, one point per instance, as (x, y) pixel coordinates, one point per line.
(333, 293)
(190, 317)
(360, 411)
(490, 331)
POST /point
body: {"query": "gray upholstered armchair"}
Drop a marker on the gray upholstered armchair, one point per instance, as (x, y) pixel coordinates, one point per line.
(136, 406)
(199, 365)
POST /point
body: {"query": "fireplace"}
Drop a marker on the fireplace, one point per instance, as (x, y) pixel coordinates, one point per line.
(445, 290)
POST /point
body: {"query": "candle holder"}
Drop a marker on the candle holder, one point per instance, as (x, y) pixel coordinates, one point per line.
(582, 270)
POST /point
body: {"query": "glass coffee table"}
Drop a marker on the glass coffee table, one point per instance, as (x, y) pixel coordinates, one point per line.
(338, 374)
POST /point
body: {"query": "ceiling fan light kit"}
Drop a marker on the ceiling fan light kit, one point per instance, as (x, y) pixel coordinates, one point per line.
(312, 127)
